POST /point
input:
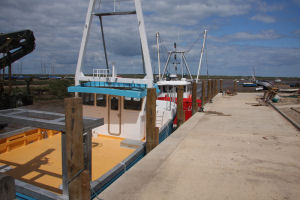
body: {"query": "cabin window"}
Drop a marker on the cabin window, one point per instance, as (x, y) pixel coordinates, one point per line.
(101, 100)
(114, 103)
(87, 99)
(132, 103)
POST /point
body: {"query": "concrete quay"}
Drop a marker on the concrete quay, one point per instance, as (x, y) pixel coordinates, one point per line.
(234, 150)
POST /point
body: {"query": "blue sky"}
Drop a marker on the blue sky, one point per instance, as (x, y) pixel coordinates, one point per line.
(242, 35)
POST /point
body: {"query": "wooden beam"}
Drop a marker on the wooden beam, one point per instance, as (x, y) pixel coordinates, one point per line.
(7, 187)
(151, 137)
(180, 112)
(194, 98)
(78, 177)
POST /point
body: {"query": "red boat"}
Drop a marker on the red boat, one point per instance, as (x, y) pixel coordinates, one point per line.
(169, 93)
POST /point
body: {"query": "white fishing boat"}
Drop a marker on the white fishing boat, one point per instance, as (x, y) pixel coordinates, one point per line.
(121, 102)
(168, 82)
(36, 158)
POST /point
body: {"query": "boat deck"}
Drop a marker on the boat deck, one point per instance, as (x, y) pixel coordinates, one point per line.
(40, 164)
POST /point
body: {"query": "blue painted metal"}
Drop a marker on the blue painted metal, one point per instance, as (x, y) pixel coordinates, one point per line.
(113, 84)
(23, 197)
(132, 90)
(118, 92)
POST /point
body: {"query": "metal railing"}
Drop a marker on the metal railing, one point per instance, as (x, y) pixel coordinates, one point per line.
(100, 73)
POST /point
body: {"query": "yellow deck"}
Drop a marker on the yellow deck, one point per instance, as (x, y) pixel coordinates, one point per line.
(39, 163)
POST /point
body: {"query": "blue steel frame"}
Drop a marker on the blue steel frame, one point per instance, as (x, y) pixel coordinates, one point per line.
(132, 90)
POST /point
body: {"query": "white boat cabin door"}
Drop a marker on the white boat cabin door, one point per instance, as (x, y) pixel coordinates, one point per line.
(114, 115)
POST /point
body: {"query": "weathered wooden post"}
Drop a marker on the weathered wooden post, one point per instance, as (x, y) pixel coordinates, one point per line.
(151, 131)
(194, 98)
(234, 87)
(216, 87)
(78, 178)
(212, 88)
(221, 85)
(180, 113)
(209, 90)
(7, 187)
(203, 100)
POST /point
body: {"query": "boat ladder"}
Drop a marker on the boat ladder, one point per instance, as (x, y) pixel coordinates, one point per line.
(159, 118)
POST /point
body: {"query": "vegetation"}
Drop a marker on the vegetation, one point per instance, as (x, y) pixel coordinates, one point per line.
(59, 88)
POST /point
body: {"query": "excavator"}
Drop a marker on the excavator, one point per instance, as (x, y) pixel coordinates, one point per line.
(14, 46)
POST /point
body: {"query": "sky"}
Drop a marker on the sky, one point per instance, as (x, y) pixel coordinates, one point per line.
(243, 35)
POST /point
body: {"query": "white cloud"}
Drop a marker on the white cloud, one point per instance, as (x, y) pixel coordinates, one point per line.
(244, 36)
(263, 18)
(297, 31)
(266, 7)
(264, 35)
(58, 27)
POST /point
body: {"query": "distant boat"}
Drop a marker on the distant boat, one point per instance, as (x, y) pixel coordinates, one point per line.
(265, 84)
(249, 84)
(277, 80)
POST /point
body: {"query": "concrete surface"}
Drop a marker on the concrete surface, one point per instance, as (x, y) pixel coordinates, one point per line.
(233, 151)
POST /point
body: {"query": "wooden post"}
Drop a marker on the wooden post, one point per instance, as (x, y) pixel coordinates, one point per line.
(194, 98)
(208, 90)
(151, 132)
(203, 100)
(180, 112)
(78, 177)
(234, 87)
(216, 87)
(212, 89)
(221, 85)
(7, 187)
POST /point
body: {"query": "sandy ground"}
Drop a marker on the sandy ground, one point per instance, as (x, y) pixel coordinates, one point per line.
(234, 150)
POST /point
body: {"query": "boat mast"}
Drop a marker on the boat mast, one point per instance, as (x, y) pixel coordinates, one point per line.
(80, 76)
(86, 31)
(201, 55)
(158, 55)
(145, 52)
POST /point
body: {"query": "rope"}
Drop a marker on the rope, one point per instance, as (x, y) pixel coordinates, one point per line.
(96, 196)
(76, 175)
(193, 44)
(123, 164)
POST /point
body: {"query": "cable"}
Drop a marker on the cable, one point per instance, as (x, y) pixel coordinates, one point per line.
(193, 44)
